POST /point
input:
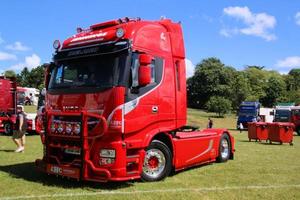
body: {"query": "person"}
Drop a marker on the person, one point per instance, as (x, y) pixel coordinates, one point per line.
(258, 118)
(20, 129)
(210, 123)
(241, 127)
(31, 98)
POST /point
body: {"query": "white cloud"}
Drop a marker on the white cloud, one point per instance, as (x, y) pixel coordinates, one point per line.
(1, 40)
(289, 62)
(190, 68)
(297, 18)
(17, 46)
(7, 56)
(30, 62)
(257, 24)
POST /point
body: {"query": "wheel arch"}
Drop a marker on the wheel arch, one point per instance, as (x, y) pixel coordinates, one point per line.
(163, 137)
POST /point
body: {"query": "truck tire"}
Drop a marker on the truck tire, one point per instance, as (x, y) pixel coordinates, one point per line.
(7, 128)
(224, 148)
(157, 162)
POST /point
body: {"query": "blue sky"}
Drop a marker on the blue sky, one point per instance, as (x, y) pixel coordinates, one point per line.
(240, 33)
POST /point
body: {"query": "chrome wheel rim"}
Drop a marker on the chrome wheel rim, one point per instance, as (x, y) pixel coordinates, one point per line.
(154, 163)
(224, 149)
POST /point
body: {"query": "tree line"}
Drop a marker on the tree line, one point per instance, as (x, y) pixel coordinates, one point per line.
(215, 86)
(220, 88)
(33, 78)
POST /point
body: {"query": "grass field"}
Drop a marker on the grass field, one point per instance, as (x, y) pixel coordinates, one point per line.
(259, 171)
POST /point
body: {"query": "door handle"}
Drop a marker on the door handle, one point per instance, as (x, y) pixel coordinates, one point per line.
(154, 109)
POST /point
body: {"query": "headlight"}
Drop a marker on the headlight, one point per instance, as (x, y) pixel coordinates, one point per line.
(77, 129)
(120, 32)
(68, 128)
(60, 128)
(108, 153)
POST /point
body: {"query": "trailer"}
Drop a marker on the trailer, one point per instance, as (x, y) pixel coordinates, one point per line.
(116, 106)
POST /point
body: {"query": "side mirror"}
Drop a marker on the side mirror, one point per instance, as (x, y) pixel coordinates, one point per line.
(144, 75)
(144, 70)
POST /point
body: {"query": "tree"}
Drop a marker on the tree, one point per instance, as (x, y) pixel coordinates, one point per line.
(274, 90)
(241, 89)
(10, 73)
(211, 78)
(257, 80)
(33, 78)
(219, 105)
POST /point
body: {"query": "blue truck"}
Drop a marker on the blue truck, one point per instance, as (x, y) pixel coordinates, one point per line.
(248, 112)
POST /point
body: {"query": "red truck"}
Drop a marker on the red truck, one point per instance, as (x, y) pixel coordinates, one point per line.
(8, 104)
(295, 118)
(116, 106)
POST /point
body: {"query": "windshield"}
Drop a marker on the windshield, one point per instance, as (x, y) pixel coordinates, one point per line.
(100, 72)
(247, 111)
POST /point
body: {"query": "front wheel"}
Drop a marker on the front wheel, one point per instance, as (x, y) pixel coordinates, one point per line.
(224, 148)
(157, 162)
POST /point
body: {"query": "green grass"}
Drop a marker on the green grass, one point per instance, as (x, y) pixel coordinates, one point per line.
(255, 164)
(30, 109)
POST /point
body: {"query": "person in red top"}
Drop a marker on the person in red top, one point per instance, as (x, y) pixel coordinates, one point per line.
(20, 130)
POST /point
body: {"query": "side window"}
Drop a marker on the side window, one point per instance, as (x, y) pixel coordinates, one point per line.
(134, 70)
(177, 71)
(153, 74)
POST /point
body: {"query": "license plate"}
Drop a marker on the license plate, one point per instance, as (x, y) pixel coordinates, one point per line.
(56, 169)
(64, 171)
(73, 151)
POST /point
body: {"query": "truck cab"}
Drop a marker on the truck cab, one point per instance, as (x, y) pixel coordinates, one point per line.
(248, 112)
(115, 105)
(283, 112)
(295, 118)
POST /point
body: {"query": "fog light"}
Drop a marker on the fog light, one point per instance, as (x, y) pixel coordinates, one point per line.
(106, 161)
(77, 129)
(53, 128)
(68, 128)
(60, 128)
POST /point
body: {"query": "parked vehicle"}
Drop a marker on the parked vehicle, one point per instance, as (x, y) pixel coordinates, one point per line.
(295, 118)
(283, 112)
(28, 96)
(248, 112)
(116, 106)
(8, 104)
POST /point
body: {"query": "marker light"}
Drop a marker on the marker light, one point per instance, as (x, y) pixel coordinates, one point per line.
(56, 44)
(120, 32)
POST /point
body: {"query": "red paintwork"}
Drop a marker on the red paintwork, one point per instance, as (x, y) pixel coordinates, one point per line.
(7, 101)
(295, 119)
(131, 132)
(257, 131)
(281, 132)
